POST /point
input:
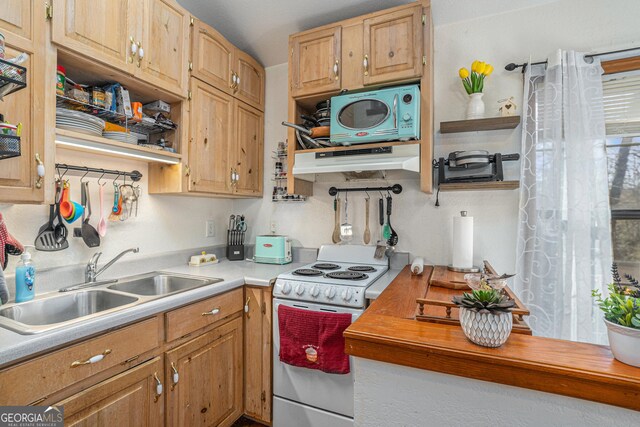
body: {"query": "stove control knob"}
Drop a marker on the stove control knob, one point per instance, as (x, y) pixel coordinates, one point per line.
(315, 291)
(286, 288)
(347, 294)
(299, 290)
(330, 293)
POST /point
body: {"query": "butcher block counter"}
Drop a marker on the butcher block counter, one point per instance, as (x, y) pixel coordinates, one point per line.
(388, 332)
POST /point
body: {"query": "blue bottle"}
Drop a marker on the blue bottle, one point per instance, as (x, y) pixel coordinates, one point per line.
(25, 278)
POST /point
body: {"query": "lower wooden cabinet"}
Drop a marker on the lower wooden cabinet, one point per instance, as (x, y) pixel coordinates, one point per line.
(205, 381)
(128, 399)
(257, 354)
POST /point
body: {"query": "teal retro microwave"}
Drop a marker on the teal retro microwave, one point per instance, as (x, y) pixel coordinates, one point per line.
(272, 249)
(391, 114)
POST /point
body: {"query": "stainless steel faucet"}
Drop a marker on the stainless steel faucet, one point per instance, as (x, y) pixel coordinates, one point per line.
(92, 272)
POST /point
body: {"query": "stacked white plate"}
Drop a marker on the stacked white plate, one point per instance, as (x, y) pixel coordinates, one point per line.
(79, 122)
(121, 136)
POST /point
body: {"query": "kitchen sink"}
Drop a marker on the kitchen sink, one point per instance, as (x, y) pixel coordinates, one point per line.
(49, 312)
(159, 284)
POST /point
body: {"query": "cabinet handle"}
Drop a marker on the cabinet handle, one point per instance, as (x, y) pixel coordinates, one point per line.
(237, 81)
(365, 63)
(133, 49)
(236, 176)
(336, 70)
(232, 182)
(140, 54)
(233, 80)
(212, 312)
(39, 170)
(246, 305)
(176, 377)
(93, 359)
(158, 387)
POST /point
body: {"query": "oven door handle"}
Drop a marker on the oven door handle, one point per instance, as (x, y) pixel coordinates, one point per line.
(395, 111)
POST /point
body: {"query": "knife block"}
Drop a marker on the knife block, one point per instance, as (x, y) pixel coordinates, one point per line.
(235, 252)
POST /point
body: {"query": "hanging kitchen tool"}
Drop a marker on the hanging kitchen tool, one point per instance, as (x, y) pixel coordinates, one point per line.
(393, 236)
(335, 237)
(102, 224)
(59, 229)
(346, 229)
(386, 228)
(46, 239)
(366, 238)
(90, 235)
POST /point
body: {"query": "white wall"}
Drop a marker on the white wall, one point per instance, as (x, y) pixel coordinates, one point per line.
(425, 230)
(433, 399)
(164, 223)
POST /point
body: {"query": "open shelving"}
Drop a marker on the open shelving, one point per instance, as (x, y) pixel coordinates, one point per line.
(471, 186)
(477, 125)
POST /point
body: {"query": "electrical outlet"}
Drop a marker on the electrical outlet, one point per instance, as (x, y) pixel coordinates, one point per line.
(210, 228)
(274, 227)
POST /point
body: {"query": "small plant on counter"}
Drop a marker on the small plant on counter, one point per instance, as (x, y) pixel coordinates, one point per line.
(485, 301)
(474, 82)
(485, 316)
(621, 310)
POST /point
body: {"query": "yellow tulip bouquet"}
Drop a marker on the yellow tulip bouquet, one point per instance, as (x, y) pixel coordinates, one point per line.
(474, 83)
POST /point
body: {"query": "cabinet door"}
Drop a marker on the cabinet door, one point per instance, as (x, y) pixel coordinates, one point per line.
(393, 46)
(18, 175)
(250, 80)
(16, 22)
(353, 56)
(212, 57)
(165, 46)
(211, 130)
(98, 29)
(315, 62)
(209, 373)
(128, 399)
(257, 354)
(249, 143)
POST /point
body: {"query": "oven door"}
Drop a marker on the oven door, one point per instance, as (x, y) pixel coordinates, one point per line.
(314, 388)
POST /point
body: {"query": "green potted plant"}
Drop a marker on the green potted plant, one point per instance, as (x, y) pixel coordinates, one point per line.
(622, 316)
(485, 316)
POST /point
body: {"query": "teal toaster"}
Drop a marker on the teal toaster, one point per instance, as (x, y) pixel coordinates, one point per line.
(272, 249)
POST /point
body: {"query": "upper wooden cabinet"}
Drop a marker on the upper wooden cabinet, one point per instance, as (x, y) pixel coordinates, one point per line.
(148, 39)
(211, 132)
(227, 68)
(212, 57)
(165, 45)
(315, 61)
(373, 49)
(393, 46)
(104, 30)
(249, 149)
(210, 381)
(250, 80)
(16, 21)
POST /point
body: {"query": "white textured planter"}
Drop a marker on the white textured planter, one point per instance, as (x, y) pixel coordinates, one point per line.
(475, 107)
(486, 329)
(624, 343)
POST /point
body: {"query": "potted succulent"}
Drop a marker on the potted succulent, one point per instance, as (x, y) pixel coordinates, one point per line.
(622, 316)
(485, 316)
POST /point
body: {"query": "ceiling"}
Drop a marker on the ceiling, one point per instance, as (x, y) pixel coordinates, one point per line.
(262, 27)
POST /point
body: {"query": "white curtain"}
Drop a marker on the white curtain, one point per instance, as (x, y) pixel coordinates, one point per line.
(564, 236)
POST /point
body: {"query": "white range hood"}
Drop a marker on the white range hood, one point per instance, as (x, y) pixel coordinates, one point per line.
(396, 157)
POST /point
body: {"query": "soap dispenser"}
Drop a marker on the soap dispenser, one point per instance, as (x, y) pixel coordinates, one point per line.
(25, 277)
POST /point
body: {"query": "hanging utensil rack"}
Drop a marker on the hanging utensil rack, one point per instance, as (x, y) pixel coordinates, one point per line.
(395, 189)
(97, 172)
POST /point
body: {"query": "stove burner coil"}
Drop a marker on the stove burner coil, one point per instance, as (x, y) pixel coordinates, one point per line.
(326, 266)
(346, 275)
(307, 272)
(362, 268)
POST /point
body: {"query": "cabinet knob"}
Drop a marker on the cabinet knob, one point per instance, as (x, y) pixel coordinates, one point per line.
(93, 359)
(175, 376)
(212, 312)
(158, 387)
(39, 170)
(365, 64)
(336, 69)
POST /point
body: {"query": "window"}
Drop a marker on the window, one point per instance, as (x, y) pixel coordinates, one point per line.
(622, 119)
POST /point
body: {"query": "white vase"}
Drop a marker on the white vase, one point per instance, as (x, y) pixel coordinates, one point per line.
(486, 329)
(475, 107)
(624, 343)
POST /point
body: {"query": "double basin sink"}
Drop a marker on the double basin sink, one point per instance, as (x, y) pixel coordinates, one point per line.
(52, 311)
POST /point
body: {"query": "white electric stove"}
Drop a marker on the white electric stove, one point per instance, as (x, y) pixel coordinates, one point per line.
(336, 283)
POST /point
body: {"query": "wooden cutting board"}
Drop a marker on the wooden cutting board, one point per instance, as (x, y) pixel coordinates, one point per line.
(445, 278)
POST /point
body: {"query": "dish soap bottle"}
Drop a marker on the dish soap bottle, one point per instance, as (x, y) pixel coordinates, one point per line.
(25, 277)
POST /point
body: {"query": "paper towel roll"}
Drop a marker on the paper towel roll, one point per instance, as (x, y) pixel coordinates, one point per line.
(463, 241)
(417, 266)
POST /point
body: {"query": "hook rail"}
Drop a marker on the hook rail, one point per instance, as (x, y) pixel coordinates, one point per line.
(99, 172)
(395, 189)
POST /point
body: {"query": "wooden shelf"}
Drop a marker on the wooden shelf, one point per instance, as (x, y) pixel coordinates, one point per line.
(358, 146)
(475, 125)
(473, 186)
(82, 142)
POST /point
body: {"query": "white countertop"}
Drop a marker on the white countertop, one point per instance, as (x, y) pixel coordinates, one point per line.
(381, 284)
(15, 347)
